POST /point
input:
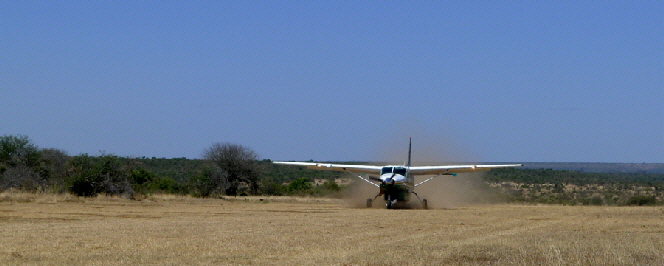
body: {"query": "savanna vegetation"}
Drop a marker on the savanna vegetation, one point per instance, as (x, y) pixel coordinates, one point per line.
(226, 170)
(230, 170)
(577, 188)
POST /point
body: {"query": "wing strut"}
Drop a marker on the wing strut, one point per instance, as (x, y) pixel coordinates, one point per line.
(429, 179)
(360, 177)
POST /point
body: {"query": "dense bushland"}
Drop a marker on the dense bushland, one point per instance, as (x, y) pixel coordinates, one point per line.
(228, 169)
(577, 188)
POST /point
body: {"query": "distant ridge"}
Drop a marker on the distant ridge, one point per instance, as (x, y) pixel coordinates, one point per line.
(601, 167)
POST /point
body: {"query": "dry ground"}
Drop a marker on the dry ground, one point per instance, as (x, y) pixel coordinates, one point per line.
(64, 230)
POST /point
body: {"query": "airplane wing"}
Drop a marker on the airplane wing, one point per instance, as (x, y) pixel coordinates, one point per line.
(455, 169)
(358, 169)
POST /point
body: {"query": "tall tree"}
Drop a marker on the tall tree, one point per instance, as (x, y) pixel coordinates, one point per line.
(15, 150)
(238, 164)
(19, 163)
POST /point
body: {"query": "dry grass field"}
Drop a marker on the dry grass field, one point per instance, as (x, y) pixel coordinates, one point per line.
(170, 230)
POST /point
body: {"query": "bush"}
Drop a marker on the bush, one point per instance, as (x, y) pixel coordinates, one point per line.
(208, 182)
(140, 180)
(90, 176)
(166, 185)
(82, 187)
(597, 201)
(273, 189)
(299, 186)
(642, 200)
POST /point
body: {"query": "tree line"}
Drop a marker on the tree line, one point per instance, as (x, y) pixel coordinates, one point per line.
(226, 169)
(544, 176)
(577, 188)
(229, 169)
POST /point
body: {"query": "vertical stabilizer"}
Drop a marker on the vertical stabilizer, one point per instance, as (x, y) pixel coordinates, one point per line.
(410, 144)
(410, 179)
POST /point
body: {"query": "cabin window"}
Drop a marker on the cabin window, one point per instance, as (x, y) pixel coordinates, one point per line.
(386, 170)
(400, 171)
(396, 170)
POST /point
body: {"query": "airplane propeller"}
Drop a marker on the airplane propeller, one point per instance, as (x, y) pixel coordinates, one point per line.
(382, 181)
(392, 177)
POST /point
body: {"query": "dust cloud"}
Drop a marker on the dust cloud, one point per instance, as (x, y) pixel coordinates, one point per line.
(359, 191)
(428, 147)
(455, 191)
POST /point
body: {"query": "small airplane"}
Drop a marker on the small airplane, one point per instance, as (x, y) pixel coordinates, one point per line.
(397, 182)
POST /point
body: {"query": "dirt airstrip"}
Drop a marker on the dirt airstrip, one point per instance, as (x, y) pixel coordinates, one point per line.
(169, 230)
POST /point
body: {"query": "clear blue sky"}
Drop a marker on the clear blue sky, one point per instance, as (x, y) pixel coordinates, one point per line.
(514, 81)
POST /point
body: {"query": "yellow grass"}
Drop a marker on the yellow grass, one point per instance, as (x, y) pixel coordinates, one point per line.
(175, 230)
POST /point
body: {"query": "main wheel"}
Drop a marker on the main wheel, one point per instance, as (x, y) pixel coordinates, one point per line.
(369, 203)
(425, 204)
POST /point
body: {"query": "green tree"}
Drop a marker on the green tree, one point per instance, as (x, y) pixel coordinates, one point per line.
(18, 150)
(19, 163)
(238, 164)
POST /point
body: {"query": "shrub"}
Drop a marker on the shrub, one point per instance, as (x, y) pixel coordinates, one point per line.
(82, 187)
(642, 200)
(273, 189)
(166, 185)
(89, 176)
(299, 186)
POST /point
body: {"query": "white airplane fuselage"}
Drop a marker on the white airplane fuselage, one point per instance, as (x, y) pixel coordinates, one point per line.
(395, 174)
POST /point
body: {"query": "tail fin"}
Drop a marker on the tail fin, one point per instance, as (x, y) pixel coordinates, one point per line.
(410, 144)
(410, 179)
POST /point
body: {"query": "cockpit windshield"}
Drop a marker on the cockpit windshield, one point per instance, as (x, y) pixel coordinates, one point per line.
(396, 170)
(386, 170)
(400, 171)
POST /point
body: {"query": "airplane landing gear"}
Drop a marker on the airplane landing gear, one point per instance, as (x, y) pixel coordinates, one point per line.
(388, 202)
(425, 203)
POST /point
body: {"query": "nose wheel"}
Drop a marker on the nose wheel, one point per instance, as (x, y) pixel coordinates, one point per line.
(389, 202)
